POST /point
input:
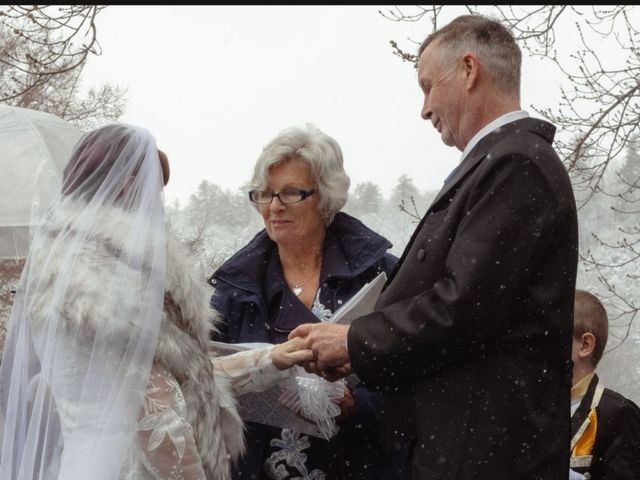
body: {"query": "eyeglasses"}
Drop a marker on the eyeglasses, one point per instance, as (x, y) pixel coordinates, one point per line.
(288, 195)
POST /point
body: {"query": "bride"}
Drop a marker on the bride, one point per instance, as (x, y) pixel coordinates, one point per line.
(106, 373)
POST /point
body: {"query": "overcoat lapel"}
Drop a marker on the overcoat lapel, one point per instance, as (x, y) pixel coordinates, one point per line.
(475, 156)
(458, 174)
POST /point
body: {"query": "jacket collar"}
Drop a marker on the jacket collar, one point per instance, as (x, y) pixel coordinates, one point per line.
(540, 127)
(582, 412)
(490, 127)
(334, 264)
(350, 248)
(580, 388)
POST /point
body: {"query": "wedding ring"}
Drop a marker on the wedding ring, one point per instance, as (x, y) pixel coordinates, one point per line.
(315, 355)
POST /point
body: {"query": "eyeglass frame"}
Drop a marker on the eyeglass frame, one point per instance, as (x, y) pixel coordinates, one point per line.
(304, 194)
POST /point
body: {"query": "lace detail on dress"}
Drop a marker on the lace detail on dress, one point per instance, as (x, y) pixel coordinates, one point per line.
(166, 444)
(318, 309)
(166, 449)
(250, 370)
(290, 454)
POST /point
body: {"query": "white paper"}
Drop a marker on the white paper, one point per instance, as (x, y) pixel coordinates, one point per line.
(362, 303)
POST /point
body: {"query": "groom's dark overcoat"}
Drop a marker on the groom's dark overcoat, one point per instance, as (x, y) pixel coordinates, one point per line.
(471, 337)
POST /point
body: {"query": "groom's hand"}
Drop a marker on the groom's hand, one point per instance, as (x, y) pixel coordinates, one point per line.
(332, 374)
(328, 342)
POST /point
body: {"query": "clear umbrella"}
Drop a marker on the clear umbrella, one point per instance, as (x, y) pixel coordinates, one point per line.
(34, 148)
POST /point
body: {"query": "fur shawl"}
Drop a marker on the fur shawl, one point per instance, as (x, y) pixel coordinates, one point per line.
(184, 333)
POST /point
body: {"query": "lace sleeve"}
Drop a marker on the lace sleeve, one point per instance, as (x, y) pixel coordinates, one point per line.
(165, 439)
(249, 371)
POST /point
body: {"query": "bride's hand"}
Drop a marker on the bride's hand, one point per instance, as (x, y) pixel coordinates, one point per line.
(286, 355)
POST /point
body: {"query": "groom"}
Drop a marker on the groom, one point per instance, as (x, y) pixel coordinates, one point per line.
(471, 337)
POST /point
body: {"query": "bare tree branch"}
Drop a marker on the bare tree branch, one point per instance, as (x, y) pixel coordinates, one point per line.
(65, 34)
(43, 49)
(414, 213)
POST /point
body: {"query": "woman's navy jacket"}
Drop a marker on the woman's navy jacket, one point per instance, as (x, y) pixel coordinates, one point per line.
(256, 305)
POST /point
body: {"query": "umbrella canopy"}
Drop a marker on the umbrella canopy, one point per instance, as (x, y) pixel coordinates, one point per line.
(34, 148)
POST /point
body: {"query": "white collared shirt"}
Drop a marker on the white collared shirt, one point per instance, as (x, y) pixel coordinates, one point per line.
(490, 127)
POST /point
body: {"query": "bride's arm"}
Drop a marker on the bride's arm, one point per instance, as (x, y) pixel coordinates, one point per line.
(165, 439)
(260, 369)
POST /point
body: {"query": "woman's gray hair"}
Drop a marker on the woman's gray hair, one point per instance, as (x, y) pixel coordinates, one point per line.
(321, 153)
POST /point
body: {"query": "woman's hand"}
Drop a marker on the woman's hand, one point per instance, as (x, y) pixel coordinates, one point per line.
(286, 355)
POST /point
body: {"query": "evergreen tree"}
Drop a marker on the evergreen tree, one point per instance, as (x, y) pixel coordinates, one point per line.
(365, 200)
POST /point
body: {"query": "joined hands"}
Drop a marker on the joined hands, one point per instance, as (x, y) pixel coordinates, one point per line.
(328, 344)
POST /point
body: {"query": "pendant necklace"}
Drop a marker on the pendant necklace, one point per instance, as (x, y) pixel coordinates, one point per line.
(297, 288)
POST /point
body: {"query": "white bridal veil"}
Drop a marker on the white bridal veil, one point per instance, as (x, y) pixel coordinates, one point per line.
(86, 316)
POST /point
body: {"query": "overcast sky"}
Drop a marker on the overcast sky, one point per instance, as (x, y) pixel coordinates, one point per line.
(214, 84)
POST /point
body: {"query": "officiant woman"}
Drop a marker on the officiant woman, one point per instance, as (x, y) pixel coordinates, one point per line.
(308, 260)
